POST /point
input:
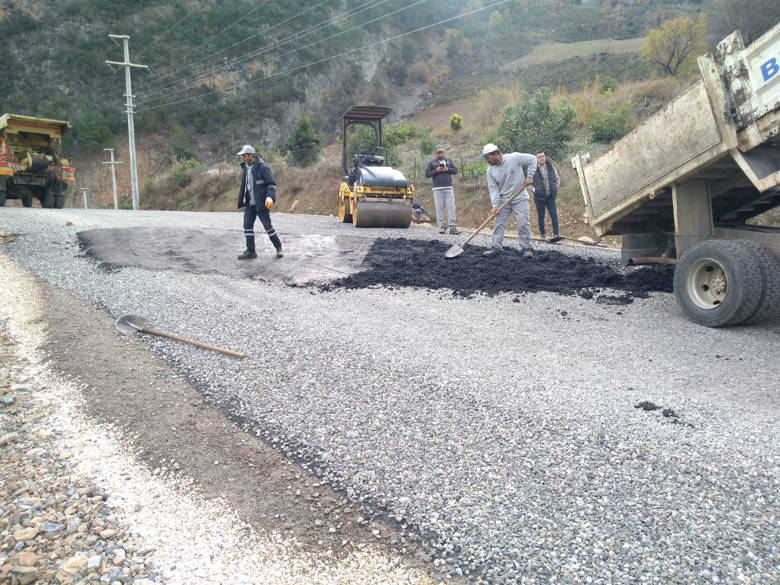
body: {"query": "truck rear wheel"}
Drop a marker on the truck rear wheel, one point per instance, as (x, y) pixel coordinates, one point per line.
(719, 282)
(27, 200)
(2, 198)
(769, 305)
(59, 202)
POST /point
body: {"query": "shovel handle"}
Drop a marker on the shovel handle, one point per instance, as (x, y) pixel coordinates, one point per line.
(192, 342)
(491, 216)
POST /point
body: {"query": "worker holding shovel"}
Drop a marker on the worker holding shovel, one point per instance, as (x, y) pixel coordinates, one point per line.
(505, 177)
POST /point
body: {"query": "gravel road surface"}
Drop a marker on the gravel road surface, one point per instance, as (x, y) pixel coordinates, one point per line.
(531, 433)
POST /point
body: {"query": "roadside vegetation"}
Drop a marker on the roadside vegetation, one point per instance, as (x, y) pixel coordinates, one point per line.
(578, 77)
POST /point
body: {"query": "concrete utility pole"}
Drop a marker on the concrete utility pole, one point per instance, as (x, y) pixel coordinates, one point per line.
(130, 127)
(113, 164)
(84, 193)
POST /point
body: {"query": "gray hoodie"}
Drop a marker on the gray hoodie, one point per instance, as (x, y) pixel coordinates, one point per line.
(508, 177)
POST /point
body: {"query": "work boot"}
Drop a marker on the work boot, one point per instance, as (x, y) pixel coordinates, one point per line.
(454, 231)
(528, 253)
(555, 238)
(279, 253)
(491, 252)
(442, 230)
(247, 254)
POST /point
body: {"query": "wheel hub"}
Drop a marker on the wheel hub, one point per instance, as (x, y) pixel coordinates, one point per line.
(708, 283)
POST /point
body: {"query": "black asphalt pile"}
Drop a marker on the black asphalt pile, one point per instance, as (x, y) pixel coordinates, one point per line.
(417, 263)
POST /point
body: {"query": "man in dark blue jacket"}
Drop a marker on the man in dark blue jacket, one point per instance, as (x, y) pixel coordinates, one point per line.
(257, 195)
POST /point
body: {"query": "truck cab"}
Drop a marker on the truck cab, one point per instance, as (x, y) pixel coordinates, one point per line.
(31, 163)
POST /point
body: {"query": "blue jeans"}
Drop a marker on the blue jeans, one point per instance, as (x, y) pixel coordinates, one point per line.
(549, 204)
(250, 214)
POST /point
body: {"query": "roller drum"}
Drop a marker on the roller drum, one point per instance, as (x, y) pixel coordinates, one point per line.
(382, 214)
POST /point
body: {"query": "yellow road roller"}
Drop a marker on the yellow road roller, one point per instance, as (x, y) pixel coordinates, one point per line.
(372, 194)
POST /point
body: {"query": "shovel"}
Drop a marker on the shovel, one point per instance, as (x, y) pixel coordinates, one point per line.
(458, 250)
(129, 324)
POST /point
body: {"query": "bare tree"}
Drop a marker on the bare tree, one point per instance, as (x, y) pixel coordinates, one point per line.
(675, 46)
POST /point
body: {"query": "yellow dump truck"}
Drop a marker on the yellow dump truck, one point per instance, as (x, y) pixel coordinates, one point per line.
(31, 163)
(687, 186)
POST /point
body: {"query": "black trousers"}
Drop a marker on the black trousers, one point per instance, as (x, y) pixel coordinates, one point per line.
(251, 213)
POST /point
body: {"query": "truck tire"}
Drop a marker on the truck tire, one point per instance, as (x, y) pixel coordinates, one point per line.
(27, 200)
(59, 202)
(769, 305)
(719, 282)
(2, 198)
(48, 200)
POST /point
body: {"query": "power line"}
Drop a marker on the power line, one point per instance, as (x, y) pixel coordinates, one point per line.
(326, 59)
(230, 65)
(241, 42)
(173, 93)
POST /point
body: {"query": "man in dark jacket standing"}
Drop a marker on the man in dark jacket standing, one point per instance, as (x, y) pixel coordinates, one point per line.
(441, 169)
(546, 181)
(257, 195)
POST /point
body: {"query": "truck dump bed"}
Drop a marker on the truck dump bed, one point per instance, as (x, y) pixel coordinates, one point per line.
(722, 131)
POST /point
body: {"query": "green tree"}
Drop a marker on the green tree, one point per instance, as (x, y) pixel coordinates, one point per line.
(456, 122)
(674, 47)
(92, 129)
(534, 125)
(304, 146)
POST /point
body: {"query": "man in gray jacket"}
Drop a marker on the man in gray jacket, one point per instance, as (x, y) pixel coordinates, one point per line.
(441, 169)
(505, 176)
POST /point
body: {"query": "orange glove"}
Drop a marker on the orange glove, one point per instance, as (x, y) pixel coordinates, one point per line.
(269, 203)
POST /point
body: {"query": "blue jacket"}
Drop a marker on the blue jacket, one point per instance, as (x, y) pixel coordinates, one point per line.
(264, 186)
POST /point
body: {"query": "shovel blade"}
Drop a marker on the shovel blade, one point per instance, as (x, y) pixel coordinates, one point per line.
(454, 251)
(129, 324)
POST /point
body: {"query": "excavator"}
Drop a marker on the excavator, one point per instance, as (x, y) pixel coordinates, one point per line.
(372, 194)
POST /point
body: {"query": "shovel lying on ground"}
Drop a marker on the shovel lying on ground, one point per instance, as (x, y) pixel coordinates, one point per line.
(129, 324)
(458, 250)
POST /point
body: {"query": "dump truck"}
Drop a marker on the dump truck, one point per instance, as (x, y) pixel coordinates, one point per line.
(686, 186)
(371, 193)
(31, 163)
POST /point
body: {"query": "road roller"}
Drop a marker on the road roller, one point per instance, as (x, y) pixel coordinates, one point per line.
(372, 194)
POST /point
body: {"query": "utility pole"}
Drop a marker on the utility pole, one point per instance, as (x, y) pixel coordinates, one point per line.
(113, 164)
(130, 127)
(84, 193)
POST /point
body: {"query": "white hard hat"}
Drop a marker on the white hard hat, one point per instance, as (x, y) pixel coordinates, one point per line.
(488, 148)
(246, 150)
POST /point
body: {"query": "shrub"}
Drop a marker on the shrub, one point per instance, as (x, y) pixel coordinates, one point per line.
(474, 170)
(182, 172)
(427, 144)
(304, 146)
(612, 124)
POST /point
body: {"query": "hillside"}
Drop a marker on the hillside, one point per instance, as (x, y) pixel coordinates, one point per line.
(221, 76)
(211, 64)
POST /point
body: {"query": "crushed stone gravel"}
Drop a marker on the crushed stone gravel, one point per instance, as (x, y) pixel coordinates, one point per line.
(502, 428)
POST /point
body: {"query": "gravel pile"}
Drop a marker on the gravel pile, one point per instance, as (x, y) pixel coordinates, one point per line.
(504, 429)
(53, 524)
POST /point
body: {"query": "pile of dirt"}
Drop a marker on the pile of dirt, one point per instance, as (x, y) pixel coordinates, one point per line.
(415, 263)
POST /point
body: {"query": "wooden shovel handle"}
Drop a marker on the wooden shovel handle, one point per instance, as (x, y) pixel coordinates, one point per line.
(191, 342)
(491, 216)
